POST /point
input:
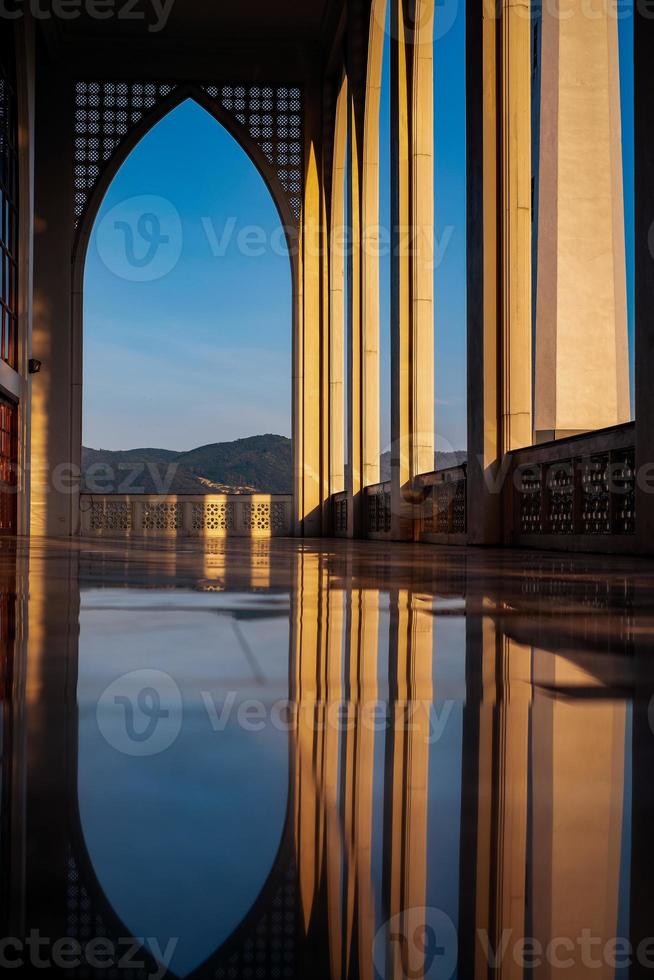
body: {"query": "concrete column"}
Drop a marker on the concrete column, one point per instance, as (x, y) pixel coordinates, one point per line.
(582, 360)
(308, 406)
(644, 269)
(55, 432)
(354, 480)
(515, 39)
(337, 299)
(499, 253)
(401, 464)
(422, 257)
(370, 364)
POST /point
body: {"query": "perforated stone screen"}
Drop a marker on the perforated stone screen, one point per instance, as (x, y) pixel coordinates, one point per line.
(271, 117)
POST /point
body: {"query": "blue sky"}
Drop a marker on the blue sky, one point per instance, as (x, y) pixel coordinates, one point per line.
(203, 353)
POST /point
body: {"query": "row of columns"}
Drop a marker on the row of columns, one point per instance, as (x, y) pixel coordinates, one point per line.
(579, 300)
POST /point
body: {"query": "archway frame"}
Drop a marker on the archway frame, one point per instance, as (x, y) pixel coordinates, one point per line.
(81, 240)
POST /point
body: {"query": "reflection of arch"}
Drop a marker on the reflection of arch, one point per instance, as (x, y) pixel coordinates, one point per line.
(277, 892)
(271, 176)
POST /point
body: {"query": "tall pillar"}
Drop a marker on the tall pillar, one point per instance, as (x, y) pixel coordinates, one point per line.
(499, 253)
(370, 247)
(53, 438)
(337, 298)
(309, 486)
(582, 360)
(644, 273)
(401, 468)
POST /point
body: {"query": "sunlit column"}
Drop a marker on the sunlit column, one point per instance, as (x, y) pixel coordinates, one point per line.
(581, 310)
(422, 222)
(307, 403)
(401, 469)
(370, 242)
(337, 298)
(499, 252)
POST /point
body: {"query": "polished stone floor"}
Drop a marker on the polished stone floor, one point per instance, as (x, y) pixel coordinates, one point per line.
(320, 759)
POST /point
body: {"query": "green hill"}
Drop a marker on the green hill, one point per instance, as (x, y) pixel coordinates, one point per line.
(260, 464)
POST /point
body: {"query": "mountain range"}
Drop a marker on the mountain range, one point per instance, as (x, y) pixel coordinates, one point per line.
(259, 464)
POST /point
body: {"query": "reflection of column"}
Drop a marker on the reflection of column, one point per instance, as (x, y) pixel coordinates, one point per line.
(578, 783)
(13, 666)
(51, 720)
(306, 639)
(358, 777)
(495, 818)
(407, 769)
(581, 313)
(641, 896)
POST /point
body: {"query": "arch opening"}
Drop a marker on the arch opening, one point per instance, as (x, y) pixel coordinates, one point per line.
(188, 308)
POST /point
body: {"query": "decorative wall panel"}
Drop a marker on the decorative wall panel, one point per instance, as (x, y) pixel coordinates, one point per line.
(106, 112)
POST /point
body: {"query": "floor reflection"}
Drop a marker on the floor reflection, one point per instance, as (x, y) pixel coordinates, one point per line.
(343, 761)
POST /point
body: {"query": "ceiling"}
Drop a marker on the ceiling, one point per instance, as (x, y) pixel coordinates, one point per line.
(185, 38)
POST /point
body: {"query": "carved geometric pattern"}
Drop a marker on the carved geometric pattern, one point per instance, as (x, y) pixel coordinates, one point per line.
(340, 515)
(111, 516)
(379, 511)
(624, 484)
(561, 486)
(213, 517)
(265, 517)
(593, 495)
(596, 495)
(531, 500)
(162, 517)
(273, 118)
(105, 113)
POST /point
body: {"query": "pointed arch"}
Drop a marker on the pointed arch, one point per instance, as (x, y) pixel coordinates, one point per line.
(167, 104)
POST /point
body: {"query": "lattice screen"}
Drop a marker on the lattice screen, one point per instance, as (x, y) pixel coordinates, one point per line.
(272, 118)
(106, 112)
